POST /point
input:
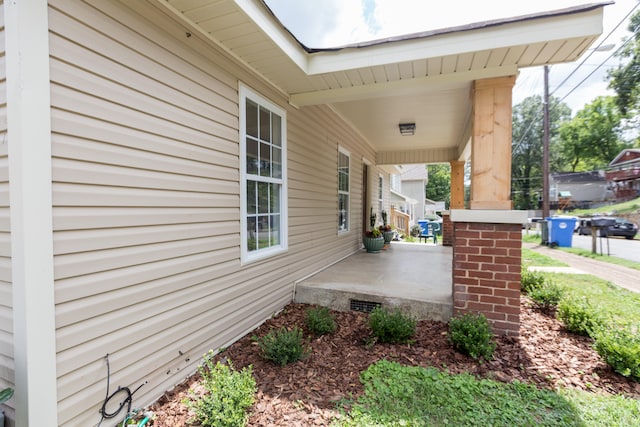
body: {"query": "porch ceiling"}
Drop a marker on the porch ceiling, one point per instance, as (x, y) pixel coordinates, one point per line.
(422, 78)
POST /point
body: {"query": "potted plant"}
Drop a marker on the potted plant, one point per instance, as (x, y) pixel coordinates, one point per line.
(5, 394)
(387, 233)
(373, 240)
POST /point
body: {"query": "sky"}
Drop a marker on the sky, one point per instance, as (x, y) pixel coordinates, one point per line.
(331, 23)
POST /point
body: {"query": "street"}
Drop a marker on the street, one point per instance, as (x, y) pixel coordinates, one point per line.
(618, 246)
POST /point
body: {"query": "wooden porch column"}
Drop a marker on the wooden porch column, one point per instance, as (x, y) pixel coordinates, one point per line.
(491, 144)
(457, 184)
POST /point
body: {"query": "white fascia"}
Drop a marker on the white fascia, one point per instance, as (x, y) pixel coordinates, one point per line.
(520, 32)
(517, 33)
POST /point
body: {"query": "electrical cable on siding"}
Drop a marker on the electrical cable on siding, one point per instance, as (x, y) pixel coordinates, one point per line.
(127, 401)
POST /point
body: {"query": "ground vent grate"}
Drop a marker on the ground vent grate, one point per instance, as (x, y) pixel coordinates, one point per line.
(364, 306)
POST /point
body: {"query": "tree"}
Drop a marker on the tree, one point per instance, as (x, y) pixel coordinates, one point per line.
(591, 139)
(625, 79)
(527, 136)
(439, 184)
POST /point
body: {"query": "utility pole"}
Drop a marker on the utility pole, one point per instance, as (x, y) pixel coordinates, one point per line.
(545, 147)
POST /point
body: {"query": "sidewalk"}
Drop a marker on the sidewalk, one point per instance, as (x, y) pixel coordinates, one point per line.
(624, 277)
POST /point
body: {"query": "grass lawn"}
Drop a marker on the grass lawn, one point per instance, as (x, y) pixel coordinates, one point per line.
(605, 258)
(531, 257)
(535, 238)
(620, 208)
(620, 305)
(397, 395)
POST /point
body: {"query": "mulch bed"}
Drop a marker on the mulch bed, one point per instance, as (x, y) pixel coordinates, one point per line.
(305, 393)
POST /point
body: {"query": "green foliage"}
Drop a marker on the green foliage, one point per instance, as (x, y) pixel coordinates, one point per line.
(547, 296)
(230, 394)
(579, 316)
(471, 334)
(531, 280)
(319, 321)
(527, 141)
(5, 394)
(618, 305)
(620, 348)
(625, 79)
(283, 346)
(629, 206)
(591, 139)
(438, 187)
(396, 395)
(391, 326)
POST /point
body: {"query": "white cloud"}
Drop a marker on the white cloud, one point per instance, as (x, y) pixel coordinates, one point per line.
(330, 23)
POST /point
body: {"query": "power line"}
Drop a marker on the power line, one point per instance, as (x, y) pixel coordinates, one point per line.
(537, 117)
(592, 51)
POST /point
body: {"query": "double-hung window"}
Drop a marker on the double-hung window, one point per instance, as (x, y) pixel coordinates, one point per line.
(263, 176)
(343, 190)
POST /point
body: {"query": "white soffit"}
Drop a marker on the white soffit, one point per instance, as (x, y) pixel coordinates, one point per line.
(422, 78)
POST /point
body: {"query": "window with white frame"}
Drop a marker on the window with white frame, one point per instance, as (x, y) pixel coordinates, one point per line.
(343, 190)
(263, 192)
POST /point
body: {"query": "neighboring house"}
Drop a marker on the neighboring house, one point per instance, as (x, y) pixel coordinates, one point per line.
(171, 168)
(412, 180)
(623, 174)
(578, 189)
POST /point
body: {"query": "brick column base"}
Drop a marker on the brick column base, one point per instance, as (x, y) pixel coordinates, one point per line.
(447, 230)
(486, 273)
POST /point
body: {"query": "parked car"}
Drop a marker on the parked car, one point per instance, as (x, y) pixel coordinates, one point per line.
(620, 227)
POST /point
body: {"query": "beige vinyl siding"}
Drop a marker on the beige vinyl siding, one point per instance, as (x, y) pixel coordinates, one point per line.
(7, 377)
(146, 203)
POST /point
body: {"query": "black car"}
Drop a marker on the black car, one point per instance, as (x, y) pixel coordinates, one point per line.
(619, 227)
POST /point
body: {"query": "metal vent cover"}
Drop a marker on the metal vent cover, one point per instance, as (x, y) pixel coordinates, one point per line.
(363, 306)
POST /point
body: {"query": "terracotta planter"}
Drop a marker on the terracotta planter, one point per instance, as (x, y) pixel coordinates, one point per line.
(373, 244)
(388, 236)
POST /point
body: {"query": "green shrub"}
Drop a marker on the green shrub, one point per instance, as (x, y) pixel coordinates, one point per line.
(579, 317)
(230, 394)
(283, 346)
(531, 280)
(319, 321)
(620, 348)
(547, 296)
(471, 334)
(391, 326)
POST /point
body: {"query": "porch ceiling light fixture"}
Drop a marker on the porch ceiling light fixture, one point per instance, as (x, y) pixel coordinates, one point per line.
(407, 129)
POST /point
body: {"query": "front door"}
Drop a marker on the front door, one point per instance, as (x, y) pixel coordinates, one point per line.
(365, 197)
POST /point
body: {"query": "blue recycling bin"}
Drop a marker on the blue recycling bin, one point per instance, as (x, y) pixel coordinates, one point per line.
(561, 231)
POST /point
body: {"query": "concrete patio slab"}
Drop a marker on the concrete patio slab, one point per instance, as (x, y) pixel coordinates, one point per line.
(415, 277)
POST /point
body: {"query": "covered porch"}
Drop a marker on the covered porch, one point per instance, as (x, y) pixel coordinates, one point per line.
(415, 277)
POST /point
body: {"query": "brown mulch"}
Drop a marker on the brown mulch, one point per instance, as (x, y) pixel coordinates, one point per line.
(305, 393)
